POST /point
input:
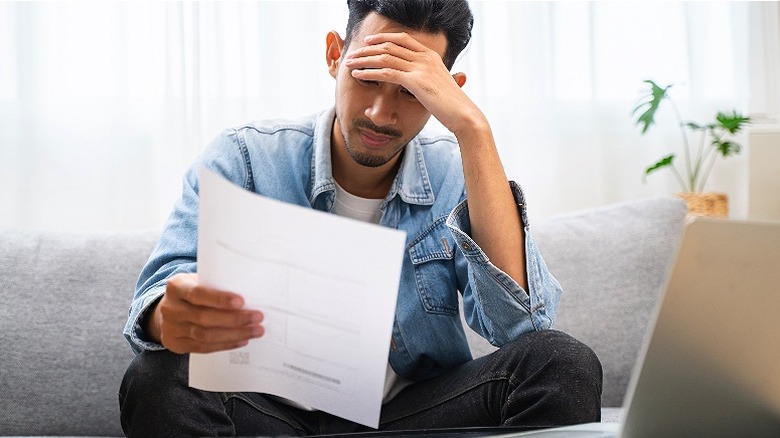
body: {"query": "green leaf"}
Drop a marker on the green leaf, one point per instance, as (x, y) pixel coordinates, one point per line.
(695, 126)
(733, 122)
(727, 148)
(663, 162)
(649, 103)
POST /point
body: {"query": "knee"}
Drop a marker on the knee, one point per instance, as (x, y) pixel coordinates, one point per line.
(567, 353)
(150, 370)
(155, 381)
(571, 370)
(557, 378)
(561, 351)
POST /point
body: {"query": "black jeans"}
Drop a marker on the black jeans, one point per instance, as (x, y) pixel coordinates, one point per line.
(543, 379)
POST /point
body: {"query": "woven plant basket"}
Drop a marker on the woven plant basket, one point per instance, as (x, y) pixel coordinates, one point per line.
(706, 204)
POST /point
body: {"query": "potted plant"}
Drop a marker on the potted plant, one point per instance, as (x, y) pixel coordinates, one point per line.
(714, 139)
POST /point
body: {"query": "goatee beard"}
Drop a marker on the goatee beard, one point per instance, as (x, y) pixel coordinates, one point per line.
(369, 160)
(366, 159)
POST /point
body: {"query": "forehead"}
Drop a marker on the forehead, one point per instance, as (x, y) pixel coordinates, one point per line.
(375, 23)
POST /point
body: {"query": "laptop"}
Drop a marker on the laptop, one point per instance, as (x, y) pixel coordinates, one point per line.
(710, 364)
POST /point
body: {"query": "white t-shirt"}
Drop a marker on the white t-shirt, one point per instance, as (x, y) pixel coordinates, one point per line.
(368, 210)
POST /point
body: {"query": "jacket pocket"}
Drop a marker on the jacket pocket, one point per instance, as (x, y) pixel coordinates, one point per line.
(432, 254)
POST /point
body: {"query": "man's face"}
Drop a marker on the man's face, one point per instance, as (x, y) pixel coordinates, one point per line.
(377, 119)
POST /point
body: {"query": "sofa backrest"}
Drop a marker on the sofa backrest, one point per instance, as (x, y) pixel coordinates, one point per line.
(64, 300)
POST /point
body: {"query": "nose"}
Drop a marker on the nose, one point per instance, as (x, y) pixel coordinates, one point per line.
(382, 111)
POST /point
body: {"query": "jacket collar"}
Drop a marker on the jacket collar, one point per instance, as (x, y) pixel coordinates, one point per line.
(411, 183)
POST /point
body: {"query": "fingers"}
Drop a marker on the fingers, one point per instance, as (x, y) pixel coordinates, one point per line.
(397, 58)
(377, 67)
(394, 50)
(187, 288)
(387, 52)
(382, 55)
(190, 338)
(214, 318)
(382, 65)
(402, 39)
(198, 319)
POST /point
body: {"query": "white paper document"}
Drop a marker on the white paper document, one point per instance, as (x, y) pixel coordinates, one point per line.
(327, 286)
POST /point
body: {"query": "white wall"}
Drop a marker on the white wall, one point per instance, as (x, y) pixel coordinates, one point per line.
(104, 104)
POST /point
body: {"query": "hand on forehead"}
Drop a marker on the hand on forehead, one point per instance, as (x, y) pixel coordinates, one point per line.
(376, 30)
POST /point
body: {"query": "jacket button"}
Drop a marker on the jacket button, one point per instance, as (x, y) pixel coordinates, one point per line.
(466, 246)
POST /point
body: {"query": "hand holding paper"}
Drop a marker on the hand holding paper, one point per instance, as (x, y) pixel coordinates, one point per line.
(192, 318)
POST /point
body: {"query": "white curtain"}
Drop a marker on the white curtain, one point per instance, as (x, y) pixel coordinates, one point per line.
(104, 104)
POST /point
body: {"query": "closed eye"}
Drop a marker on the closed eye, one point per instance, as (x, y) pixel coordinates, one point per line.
(365, 82)
(402, 90)
(408, 93)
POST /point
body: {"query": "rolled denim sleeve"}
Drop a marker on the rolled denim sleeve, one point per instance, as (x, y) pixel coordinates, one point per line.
(176, 250)
(133, 330)
(494, 304)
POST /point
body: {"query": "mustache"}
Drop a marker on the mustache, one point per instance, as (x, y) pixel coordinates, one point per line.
(366, 124)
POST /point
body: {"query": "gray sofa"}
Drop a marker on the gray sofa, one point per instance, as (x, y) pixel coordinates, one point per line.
(64, 300)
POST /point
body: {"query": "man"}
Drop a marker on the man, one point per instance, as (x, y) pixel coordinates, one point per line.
(367, 159)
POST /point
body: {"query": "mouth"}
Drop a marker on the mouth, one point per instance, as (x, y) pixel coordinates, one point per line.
(373, 139)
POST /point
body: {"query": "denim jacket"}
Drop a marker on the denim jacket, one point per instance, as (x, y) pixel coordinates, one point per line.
(291, 161)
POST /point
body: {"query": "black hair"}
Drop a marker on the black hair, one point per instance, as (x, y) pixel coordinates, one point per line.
(452, 17)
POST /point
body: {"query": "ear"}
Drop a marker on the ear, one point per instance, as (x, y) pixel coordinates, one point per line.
(460, 78)
(334, 46)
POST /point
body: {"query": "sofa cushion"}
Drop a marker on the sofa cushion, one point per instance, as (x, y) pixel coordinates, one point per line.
(613, 263)
(64, 302)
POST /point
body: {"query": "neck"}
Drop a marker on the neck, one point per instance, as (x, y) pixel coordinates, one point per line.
(363, 181)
